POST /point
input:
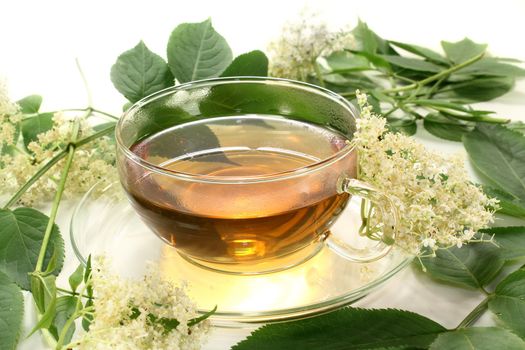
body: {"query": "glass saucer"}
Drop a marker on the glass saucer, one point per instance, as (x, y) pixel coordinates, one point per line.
(104, 222)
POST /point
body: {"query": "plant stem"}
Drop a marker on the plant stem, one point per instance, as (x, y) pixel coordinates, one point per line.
(437, 76)
(474, 314)
(392, 110)
(469, 117)
(34, 178)
(48, 337)
(71, 319)
(104, 113)
(69, 292)
(98, 111)
(86, 85)
(94, 136)
(58, 196)
(56, 158)
(347, 94)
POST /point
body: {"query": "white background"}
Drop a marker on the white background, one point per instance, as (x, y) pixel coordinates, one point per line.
(41, 39)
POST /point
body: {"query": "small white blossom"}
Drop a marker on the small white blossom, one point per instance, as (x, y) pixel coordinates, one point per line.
(124, 310)
(92, 163)
(438, 204)
(301, 43)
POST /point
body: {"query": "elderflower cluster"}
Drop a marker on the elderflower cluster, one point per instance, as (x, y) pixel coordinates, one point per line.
(126, 312)
(9, 117)
(92, 163)
(439, 207)
(301, 43)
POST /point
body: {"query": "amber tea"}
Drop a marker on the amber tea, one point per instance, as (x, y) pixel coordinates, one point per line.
(246, 203)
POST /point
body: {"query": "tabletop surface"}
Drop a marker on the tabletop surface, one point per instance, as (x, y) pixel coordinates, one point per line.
(40, 41)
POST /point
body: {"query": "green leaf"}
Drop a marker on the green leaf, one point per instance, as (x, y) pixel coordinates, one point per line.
(76, 277)
(473, 265)
(412, 63)
(87, 271)
(30, 104)
(509, 204)
(40, 291)
(479, 89)
(493, 66)
(517, 126)
(369, 42)
(33, 126)
(196, 51)
(253, 63)
(347, 82)
(21, 234)
(478, 338)
(511, 240)
(422, 52)
(139, 72)
(88, 318)
(344, 62)
(87, 277)
(499, 154)
(65, 308)
(508, 302)
(11, 313)
(45, 296)
(52, 265)
(446, 128)
(463, 50)
(168, 324)
(406, 126)
(103, 126)
(347, 329)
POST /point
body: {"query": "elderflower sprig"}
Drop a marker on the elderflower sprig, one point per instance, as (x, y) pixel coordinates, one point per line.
(151, 313)
(439, 206)
(18, 163)
(294, 54)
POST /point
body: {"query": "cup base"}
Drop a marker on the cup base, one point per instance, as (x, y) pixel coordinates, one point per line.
(275, 265)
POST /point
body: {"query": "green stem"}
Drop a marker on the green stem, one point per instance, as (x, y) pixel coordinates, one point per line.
(48, 337)
(19, 193)
(71, 319)
(56, 158)
(434, 87)
(347, 94)
(70, 292)
(59, 192)
(475, 314)
(94, 136)
(468, 117)
(86, 85)
(318, 74)
(392, 110)
(105, 113)
(437, 76)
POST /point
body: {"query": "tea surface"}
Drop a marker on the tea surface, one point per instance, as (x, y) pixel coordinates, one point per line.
(237, 222)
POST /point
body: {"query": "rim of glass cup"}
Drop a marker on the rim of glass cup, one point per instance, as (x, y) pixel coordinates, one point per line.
(325, 162)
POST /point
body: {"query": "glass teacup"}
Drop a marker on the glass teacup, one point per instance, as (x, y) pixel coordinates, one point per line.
(246, 175)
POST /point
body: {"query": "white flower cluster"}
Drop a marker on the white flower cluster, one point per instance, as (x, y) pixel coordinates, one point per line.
(439, 207)
(92, 162)
(301, 43)
(124, 308)
(9, 117)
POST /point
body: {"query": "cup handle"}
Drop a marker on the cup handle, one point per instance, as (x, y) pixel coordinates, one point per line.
(377, 226)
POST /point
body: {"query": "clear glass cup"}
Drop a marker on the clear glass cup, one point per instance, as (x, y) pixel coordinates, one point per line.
(236, 219)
